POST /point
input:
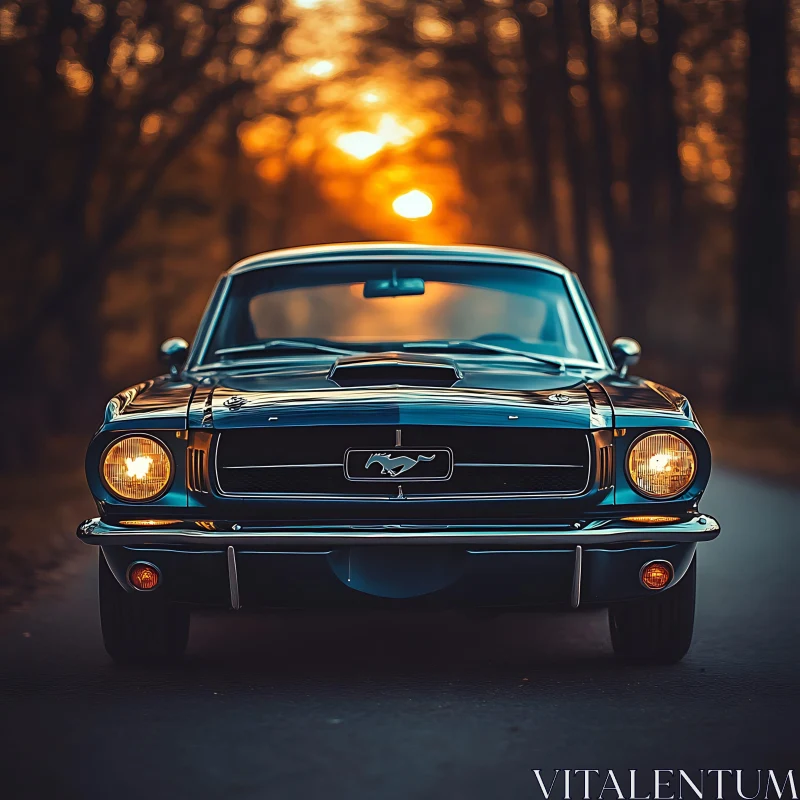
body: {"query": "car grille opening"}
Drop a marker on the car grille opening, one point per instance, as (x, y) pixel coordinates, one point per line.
(196, 468)
(605, 458)
(197, 463)
(310, 460)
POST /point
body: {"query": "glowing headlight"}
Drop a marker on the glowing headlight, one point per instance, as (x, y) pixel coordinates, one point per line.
(136, 468)
(661, 465)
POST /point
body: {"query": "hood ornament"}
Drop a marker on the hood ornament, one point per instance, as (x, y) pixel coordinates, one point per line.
(559, 398)
(235, 403)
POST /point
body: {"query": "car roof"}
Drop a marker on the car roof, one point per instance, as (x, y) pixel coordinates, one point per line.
(399, 251)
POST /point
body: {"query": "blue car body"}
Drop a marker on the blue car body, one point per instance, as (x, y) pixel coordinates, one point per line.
(497, 521)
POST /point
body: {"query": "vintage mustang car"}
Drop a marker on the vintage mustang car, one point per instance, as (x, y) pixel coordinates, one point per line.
(398, 426)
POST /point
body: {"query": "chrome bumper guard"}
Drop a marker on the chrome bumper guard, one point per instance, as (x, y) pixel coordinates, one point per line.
(699, 528)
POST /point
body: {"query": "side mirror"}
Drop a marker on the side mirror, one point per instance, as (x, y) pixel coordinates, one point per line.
(172, 353)
(626, 353)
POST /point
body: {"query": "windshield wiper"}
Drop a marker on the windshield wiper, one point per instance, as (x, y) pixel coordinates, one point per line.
(284, 344)
(471, 344)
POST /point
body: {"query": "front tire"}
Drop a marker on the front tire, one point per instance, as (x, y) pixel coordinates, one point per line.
(140, 627)
(656, 629)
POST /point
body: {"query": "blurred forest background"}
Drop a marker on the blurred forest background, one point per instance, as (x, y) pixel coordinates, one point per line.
(652, 145)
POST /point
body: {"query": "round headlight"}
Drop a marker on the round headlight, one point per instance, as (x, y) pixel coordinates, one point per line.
(661, 465)
(137, 468)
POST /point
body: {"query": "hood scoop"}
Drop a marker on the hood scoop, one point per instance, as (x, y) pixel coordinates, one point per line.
(394, 369)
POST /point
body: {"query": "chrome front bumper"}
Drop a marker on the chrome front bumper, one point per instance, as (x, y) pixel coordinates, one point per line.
(699, 528)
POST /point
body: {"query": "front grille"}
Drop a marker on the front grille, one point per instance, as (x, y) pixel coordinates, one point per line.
(310, 460)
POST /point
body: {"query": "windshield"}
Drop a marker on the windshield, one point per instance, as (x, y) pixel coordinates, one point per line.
(425, 305)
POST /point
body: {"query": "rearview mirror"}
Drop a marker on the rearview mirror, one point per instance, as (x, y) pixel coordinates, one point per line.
(173, 352)
(395, 287)
(626, 353)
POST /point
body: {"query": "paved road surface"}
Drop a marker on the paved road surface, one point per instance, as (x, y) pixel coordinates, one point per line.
(324, 706)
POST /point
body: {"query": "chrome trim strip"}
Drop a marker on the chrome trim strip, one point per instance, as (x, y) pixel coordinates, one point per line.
(566, 466)
(456, 464)
(233, 578)
(589, 322)
(282, 466)
(410, 498)
(516, 258)
(575, 599)
(194, 359)
(604, 532)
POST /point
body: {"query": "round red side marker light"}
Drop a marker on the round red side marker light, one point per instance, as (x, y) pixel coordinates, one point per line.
(656, 575)
(143, 577)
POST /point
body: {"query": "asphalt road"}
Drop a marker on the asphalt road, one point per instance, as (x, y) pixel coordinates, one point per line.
(407, 706)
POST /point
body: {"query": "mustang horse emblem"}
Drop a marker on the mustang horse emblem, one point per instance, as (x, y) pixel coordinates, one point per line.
(395, 465)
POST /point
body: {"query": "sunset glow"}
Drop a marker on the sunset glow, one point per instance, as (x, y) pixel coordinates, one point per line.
(319, 69)
(360, 144)
(413, 205)
(392, 132)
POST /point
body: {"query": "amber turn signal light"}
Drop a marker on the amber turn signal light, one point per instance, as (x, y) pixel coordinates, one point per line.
(143, 577)
(656, 575)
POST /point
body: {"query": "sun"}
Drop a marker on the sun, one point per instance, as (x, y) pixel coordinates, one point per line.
(413, 205)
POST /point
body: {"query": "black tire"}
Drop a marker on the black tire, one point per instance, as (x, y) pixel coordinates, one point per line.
(657, 629)
(140, 627)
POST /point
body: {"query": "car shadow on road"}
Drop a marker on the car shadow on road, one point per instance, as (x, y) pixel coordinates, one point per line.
(339, 649)
(517, 657)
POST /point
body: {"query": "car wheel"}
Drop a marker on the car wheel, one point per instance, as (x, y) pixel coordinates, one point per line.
(656, 629)
(140, 627)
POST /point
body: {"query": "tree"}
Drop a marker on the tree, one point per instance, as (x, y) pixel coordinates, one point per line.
(537, 103)
(761, 376)
(574, 151)
(110, 95)
(604, 161)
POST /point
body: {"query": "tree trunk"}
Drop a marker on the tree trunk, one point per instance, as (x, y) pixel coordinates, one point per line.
(537, 122)
(635, 265)
(670, 25)
(83, 390)
(573, 151)
(761, 378)
(283, 209)
(602, 137)
(489, 80)
(236, 212)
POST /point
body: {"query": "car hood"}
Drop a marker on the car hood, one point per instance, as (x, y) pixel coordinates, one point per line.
(484, 394)
(489, 392)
